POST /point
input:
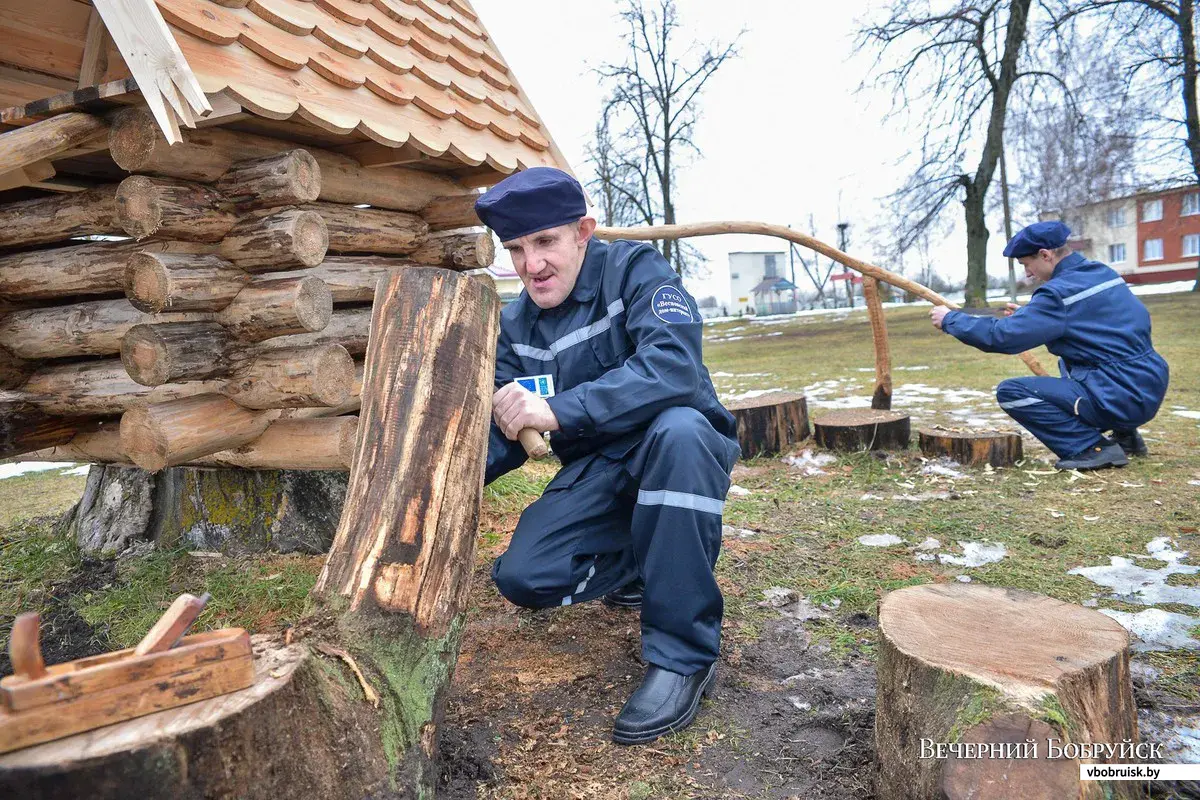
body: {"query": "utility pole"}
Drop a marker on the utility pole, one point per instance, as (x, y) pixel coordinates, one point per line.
(843, 242)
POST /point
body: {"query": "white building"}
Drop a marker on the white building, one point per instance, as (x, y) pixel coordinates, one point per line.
(747, 270)
(1106, 232)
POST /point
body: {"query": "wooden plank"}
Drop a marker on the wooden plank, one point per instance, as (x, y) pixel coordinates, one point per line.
(29, 175)
(75, 679)
(22, 729)
(95, 52)
(69, 100)
(44, 35)
(371, 154)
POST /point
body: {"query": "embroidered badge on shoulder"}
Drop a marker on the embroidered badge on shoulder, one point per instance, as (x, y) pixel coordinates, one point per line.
(669, 305)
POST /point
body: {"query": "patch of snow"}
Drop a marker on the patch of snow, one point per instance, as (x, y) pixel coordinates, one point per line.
(82, 469)
(810, 464)
(1187, 414)
(729, 531)
(926, 557)
(923, 497)
(975, 554)
(1178, 734)
(1137, 584)
(750, 395)
(930, 543)
(738, 491)
(869, 496)
(1157, 629)
(963, 578)
(778, 596)
(1193, 483)
(880, 540)
(721, 374)
(944, 467)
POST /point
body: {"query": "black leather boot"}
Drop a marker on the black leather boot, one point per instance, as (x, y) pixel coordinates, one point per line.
(1100, 455)
(1131, 442)
(665, 702)
(628, 596)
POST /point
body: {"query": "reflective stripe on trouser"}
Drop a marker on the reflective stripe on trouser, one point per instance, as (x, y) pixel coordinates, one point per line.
(1058, 411)
(601, 523)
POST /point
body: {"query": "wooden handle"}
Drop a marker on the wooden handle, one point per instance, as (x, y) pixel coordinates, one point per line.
(534, 444)
(172, 625)
(25, 649)
(765, 229)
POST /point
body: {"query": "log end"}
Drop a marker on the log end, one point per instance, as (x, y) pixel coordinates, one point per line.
(334, 376)
(132, 139)
(304, 175)
(138, 211)
(310, 238)
(142, 440)
(485, 250)
(147, 283)
(314, 304)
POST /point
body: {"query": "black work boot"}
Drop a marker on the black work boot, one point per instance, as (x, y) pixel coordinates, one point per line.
(665, 702)
(628, 596)
(1100, 455)
(1131, 442)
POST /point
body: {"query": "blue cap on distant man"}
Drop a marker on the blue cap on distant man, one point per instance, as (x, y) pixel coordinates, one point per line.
(1038, 236)
(530, 201)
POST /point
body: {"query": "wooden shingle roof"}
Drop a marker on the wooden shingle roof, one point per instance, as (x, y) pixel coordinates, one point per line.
(421, 73)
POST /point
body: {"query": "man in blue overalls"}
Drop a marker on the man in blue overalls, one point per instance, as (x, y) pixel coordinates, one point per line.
(634, 515)
(1112, 379)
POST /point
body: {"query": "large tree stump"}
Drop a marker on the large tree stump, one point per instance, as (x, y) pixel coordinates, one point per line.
(391, 600)
(972, 448)
(228, 510)
(982, 665)
(771, 423)
(862, 429)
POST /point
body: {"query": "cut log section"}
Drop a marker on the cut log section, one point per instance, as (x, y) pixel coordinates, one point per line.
(24, 428)
(319, 375)
(275, 240)
(459, 251)
(177, 431)
(99, 388)
(287, 179)
(206, 154)
(48, 138)
(170, 352)
(452, 212)
(972, 448)
(57, 218)
(172, 209)
(771, 423)
(371, 230)
(158, 282)
(349, 327)
(77, 271)
(862, 429)
(990, 665)
(280, 307)
(91, 328)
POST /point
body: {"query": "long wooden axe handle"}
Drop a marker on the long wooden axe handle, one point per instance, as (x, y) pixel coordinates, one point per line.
(779, 231)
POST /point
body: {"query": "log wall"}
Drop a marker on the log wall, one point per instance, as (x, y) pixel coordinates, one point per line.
(220, 317)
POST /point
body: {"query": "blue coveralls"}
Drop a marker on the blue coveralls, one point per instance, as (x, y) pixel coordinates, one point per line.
(1112, 379)
(646, 448)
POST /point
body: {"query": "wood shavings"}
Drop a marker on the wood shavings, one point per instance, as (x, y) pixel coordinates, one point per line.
(368, 691)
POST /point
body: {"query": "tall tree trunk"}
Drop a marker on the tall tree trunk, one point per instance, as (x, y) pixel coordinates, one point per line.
(977, 239)
(1191, 108)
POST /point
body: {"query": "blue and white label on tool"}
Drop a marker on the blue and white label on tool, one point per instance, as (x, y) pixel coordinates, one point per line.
(669, 305)
(541, 385)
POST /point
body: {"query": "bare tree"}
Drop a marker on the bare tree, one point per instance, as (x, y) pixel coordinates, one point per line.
(961, 61)
(620, 186)
(1156, 41)
(650, 119)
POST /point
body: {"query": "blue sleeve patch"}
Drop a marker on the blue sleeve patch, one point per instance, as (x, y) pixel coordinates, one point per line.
(669, 305)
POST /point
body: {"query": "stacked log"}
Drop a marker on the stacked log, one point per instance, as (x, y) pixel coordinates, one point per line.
(209, 309)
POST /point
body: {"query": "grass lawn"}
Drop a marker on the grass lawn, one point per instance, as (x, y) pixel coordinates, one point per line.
(535, 692)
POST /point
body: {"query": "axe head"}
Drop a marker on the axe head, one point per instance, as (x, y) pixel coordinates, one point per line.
(541, 385)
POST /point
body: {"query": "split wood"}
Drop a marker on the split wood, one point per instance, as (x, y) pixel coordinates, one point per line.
(766, 229)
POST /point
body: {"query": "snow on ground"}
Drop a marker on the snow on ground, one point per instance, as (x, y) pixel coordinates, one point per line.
(16, 468)
(1134, 583)
(880, 540)
(975, 554)
(1157, 629)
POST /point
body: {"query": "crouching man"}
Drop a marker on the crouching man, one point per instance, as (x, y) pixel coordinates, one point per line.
(1112, 378)
(634, 515)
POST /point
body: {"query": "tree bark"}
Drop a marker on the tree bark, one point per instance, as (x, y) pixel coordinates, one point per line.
(79, 271)
(972, 448)
(55, 219)
(96, 389)
(172, 209)
(459, 251)
(276, 240)
(882, 398)
(371, 230)
(206, 154)
(452, 212)
(862, 429)
(977, 241)
(177, 431)
(24, 428)
(988, 665)
(278, 307)
(770, 424)
(170, 352)
(349, 327)
(287, 179)
(318, 375)
(91, 328)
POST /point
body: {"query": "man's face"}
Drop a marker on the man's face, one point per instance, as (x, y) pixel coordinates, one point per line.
(548, 262)
(1040, 265)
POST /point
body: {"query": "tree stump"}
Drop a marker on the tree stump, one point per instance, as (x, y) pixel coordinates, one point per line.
(862, 429)
(351, 709)
(984, 665)
(771, 423)
(972, 448)
(228, 510)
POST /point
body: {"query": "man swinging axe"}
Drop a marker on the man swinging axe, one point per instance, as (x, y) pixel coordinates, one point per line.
(634, 515)
(1112, 379)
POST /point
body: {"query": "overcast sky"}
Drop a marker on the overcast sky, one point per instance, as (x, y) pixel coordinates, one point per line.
(784, 133)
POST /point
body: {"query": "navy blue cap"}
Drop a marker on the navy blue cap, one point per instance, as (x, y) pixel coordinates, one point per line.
(530, 201)
(1038, 236)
